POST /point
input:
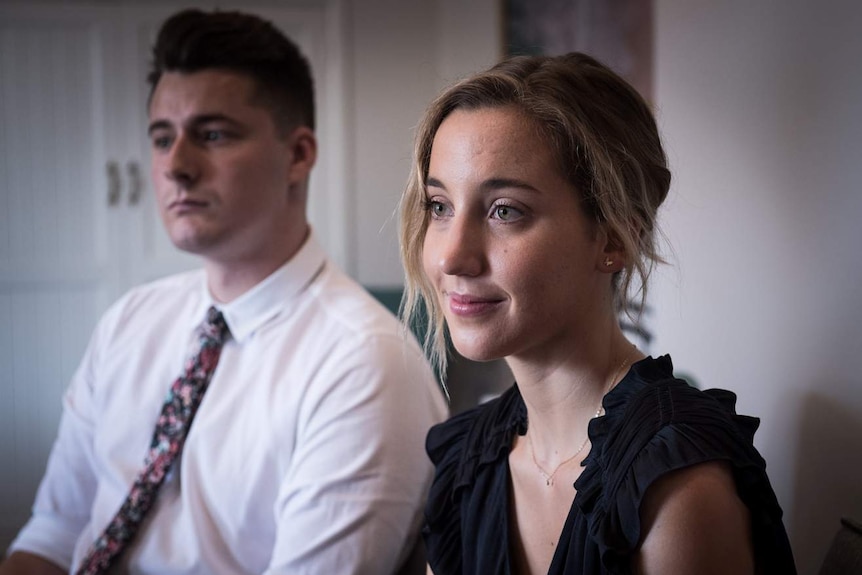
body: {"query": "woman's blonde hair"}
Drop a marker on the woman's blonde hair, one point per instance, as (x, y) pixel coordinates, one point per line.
(607, 145)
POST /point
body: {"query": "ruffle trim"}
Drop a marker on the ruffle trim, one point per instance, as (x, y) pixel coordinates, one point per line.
(459, 448)
(654, 425)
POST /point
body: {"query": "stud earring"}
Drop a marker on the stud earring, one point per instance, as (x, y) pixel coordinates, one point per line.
(609, 262)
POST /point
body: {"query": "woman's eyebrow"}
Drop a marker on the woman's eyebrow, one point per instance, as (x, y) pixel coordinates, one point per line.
(434, 183)
(502, 183)
(489, 185)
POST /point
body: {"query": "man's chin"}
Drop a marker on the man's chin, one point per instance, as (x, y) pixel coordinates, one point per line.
(193, 244)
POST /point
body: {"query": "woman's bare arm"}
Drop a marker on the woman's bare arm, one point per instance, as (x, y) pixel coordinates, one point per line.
(694, 522)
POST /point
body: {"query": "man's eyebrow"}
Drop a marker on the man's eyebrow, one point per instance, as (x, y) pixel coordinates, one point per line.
(158, 125)
(195, 121)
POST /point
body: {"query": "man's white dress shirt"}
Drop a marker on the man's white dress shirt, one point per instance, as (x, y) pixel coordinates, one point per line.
(307, 452)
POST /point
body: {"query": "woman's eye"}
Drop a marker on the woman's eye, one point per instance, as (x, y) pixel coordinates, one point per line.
(437, 209)
(507, 213)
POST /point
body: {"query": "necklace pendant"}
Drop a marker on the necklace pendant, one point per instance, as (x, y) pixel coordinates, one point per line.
(548, 482)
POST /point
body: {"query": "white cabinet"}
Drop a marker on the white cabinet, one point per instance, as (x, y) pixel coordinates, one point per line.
(58, 233)
(77, 222)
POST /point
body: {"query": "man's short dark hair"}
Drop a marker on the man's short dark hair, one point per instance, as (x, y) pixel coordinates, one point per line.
(193, 40)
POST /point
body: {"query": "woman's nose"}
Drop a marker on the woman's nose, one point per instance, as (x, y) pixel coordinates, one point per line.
(460, 248)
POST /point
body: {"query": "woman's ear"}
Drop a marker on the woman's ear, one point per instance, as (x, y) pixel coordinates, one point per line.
(612, 256)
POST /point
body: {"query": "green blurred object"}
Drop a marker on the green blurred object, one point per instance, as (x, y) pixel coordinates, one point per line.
(389, 297)
(688, 378)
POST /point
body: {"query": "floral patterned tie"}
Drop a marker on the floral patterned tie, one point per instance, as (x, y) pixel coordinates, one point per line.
(172, 427)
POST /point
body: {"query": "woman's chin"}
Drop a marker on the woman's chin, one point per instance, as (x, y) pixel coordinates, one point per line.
(474, 351)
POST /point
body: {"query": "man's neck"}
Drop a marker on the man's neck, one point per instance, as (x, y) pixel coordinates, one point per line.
(227, 280)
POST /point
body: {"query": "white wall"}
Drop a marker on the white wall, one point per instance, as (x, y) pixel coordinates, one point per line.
(404, 54)
(760, 104)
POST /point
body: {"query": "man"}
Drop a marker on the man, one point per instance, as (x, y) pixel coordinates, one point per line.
(306, 450)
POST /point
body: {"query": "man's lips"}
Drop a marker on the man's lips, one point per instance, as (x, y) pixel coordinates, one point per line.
(470, 305)
(187, 204)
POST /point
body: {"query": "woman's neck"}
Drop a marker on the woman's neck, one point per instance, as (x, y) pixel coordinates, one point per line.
(562, 394)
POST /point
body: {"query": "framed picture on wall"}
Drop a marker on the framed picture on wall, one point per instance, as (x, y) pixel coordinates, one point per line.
(617, 32)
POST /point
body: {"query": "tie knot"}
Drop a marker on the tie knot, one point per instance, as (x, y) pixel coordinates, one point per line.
(215, 327)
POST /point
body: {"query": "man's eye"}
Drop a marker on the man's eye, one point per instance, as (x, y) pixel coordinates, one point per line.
(213, 135)
(162, 142)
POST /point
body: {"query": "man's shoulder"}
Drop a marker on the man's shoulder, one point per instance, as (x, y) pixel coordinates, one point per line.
(348, 306)
(350, 341)
(162, 295)
(176, 285)
(191, 280)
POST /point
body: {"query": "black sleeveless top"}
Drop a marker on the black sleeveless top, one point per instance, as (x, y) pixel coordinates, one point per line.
(653, 424)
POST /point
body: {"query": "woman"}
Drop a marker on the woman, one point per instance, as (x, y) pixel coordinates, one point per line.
(528, 220)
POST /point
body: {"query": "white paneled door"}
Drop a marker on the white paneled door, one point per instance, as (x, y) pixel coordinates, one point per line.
(56, 241)
(77, 222)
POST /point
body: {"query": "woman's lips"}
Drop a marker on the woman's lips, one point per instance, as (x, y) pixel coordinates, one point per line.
(466, 305)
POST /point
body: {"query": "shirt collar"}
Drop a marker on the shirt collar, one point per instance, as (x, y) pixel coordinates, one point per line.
(272, 296)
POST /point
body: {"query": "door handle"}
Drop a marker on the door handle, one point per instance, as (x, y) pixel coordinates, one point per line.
(114, 184)
(135, 182)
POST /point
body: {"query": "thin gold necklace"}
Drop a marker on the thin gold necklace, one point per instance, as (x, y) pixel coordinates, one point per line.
(549, 478)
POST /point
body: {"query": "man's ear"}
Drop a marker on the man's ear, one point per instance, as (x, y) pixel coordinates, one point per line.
(302, 147)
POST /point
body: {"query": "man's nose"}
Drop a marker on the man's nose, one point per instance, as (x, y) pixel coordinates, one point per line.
(183, 163)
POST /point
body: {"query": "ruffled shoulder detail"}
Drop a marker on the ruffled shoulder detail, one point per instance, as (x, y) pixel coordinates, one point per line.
(459, 448)
(656, 424)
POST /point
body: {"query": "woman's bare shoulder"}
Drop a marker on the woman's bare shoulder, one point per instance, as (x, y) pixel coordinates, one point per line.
(693, 521)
